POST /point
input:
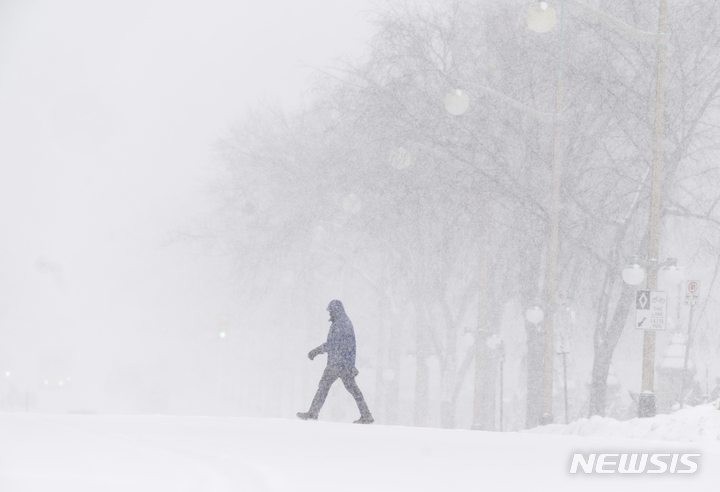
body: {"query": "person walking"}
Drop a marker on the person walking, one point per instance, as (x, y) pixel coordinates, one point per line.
(340, 347)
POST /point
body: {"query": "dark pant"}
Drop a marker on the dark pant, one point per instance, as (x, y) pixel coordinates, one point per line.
(331, 374)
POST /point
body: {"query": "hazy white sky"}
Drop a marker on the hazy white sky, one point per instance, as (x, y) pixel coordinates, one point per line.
(108, 114)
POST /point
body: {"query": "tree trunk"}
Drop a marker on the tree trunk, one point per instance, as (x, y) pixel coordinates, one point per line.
(598, 384)
(489, 371)
(380, 366)
(422, 382)
(392, 397)
(447, 406)
(422, 373)
(605, 343)
(489, 390)
(535, 364)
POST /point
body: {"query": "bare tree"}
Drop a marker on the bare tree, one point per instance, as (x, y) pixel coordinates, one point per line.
(375, 179)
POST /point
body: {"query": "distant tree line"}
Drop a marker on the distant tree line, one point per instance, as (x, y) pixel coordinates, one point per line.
(374, 178)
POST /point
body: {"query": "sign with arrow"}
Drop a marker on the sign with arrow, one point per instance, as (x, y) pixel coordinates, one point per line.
(650, 310)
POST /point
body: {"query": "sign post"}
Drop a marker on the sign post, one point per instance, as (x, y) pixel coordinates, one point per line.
(650, 310)
(691, 294)
(691, 298)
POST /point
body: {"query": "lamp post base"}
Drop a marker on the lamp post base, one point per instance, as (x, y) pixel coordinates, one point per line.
(546, 419)
(646, 404)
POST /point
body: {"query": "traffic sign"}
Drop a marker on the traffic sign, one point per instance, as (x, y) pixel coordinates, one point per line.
(691, 294)
(650, 310)
(561, 297)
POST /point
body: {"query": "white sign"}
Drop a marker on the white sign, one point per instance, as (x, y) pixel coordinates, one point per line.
(650, 310)
(691, 294)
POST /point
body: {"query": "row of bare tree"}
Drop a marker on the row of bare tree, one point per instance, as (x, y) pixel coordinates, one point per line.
(374, 182)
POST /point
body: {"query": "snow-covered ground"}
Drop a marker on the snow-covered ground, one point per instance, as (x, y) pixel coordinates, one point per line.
(691, 424)
(102, 453)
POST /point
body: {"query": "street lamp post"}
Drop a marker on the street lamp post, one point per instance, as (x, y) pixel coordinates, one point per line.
(478, 422)
(536, 314)
(501, 351)
(564, 349)
(541, 18)
(634, 274)
(646, 404)
(648, 366)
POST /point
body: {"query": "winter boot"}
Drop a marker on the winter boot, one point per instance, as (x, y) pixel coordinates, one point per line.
(307, 416)
(365, 420)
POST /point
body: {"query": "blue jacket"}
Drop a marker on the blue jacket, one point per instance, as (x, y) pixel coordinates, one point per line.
(340, 345)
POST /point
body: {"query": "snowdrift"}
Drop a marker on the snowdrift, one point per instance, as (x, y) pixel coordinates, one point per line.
(691, 424)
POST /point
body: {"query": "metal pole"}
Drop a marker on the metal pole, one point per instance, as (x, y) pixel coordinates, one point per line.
(422, 401)
(646, 402)
(564, 354)
(707, 383)
(481, 332)
(688, 342)
(502, 362)
(547, 412)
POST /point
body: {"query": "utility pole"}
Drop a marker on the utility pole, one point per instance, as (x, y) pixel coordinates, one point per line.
(688, 343)
(646, 401)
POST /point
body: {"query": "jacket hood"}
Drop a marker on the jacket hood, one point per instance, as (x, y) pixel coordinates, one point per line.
(336, 310)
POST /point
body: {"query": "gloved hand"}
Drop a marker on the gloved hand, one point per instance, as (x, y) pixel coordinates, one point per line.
(315, 352)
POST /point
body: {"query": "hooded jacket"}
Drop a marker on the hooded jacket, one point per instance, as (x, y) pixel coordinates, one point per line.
(340, 345)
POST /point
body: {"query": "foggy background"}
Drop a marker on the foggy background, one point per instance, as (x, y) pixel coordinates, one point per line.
(186, 186)
(109, 115)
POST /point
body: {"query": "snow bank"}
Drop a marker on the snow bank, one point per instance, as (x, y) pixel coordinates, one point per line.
(158, 453)
(691, 424)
